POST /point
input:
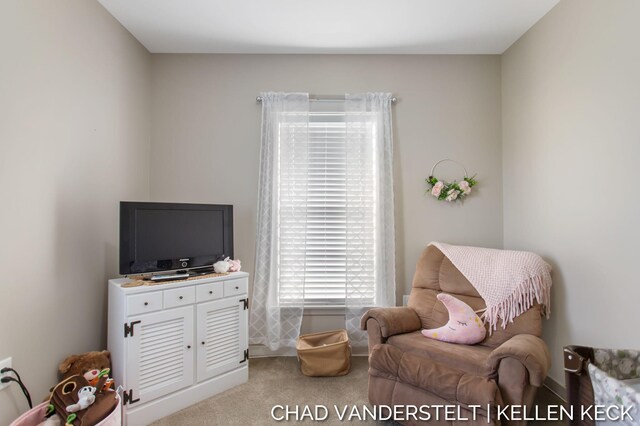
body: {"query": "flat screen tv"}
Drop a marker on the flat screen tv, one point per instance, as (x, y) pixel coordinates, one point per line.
(172, 236)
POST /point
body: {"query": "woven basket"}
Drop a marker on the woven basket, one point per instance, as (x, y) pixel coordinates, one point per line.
(324, 354)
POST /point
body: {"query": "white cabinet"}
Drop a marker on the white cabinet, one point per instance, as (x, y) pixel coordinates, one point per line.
(160, 353)
(222, 336)
(175, 344)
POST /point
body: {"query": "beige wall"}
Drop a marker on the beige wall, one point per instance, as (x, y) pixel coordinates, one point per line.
(571, 141)
(206, 136)
(74, 140)
(80, 100)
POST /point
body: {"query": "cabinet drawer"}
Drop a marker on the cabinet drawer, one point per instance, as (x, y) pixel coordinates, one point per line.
(179, 297)
(234, 287)
(143, 303)
(211, 291)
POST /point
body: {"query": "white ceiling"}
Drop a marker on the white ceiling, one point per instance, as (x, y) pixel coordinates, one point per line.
(328, 26)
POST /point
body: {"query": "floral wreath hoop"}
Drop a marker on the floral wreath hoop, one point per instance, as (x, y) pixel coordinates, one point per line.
(450, 191)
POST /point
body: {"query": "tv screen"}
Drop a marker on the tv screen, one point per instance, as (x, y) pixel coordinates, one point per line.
(167, 236)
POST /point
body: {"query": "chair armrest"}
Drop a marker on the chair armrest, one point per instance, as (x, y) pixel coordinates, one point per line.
(392, 320)
(529, 350)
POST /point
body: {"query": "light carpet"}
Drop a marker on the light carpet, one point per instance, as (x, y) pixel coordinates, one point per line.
(278, 381)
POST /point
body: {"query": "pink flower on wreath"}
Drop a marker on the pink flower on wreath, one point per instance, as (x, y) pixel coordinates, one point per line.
(437, 189)
(465, 187)
(452, 194)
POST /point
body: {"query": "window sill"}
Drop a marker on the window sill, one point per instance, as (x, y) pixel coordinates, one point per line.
(325, 310)
(328, 310)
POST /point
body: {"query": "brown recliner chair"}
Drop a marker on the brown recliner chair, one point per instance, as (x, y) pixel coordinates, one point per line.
(405, 368)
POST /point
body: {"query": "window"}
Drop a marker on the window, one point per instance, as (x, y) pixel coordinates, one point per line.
(327, 208)
(325, 234)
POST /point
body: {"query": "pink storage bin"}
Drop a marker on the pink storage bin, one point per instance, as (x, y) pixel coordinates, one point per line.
(35, 416)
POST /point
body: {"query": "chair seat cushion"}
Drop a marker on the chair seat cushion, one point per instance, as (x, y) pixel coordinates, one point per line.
(470, 359)
(452, 385)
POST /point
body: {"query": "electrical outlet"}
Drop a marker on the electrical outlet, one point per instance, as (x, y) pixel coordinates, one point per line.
(3, 364)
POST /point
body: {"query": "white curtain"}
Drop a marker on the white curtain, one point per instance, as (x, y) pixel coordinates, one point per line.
(370, 216)
(287, 259)
(274, 322)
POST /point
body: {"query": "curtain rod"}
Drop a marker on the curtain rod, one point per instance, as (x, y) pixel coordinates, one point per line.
(327, 98)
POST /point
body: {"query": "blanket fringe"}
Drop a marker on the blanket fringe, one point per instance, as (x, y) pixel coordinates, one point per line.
(527, 293)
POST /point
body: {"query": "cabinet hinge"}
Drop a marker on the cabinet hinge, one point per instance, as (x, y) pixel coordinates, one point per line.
(127, 397)
(246, 303)
(128, 328)
(246, 356)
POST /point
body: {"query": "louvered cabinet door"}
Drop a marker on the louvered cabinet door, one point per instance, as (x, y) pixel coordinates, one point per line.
(222, 337)
(160, 353)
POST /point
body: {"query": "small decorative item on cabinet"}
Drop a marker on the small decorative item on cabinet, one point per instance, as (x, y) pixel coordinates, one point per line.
(235, 265)
(221, 266)
(227, 265)
(450, 191)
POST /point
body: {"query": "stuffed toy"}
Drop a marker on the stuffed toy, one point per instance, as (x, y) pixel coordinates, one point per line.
(464, 325)
(83, 363)
(84, 394)
(96, 361)
(78, 403)
(226, 265)
(222, 266)
(86, 397)
(234, 265)
(94, 376)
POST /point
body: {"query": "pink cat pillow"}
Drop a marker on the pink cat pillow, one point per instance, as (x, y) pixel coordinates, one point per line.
(464, 325)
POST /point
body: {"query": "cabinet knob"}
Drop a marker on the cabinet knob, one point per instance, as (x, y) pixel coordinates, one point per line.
(180, 298)
(188, 346)
(146, 303)
(210, 291)
(203, 343)
(237, 287)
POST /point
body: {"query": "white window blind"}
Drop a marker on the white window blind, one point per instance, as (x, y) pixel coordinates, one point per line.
(327, 206)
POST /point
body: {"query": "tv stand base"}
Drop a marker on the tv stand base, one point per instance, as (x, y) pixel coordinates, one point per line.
(168, 277)
(201, 271)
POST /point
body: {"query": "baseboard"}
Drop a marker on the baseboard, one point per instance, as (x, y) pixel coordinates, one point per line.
(261, 351)
(556, 388)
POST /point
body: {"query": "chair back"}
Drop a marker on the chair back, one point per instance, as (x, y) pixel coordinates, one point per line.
(434, 274)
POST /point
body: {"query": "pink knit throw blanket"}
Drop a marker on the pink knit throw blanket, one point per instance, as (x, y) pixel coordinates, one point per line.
(509, 281)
